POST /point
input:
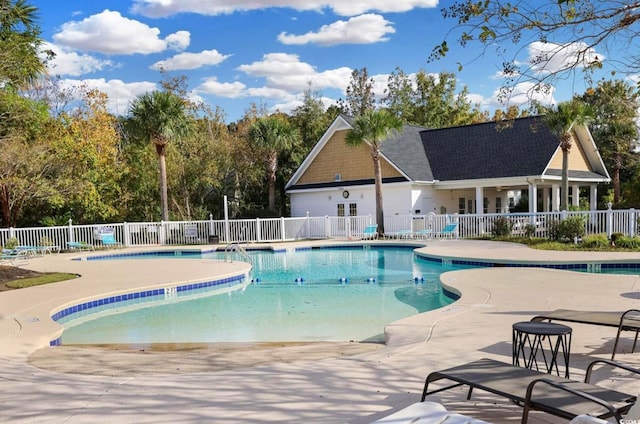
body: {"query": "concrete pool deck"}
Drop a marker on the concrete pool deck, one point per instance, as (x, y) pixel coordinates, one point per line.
(347, 389)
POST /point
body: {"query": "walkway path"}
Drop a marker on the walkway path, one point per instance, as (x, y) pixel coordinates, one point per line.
(349, 389)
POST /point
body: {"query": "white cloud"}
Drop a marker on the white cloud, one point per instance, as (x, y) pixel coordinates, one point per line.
(548, 58)
(231, 90)
(363, 29)
(163, 8)
(184, 61)
(179, 40)
(109, 32)
(287, 72)
(71, 63)
(119, 92)
(521, 94)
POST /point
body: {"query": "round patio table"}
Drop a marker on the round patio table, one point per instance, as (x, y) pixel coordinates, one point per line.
(529, 346)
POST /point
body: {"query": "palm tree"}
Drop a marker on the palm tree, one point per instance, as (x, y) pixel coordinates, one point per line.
(20, 43)
(561, 121)
(620, 136)
(160, 117)
(374, 127)
(272, 135)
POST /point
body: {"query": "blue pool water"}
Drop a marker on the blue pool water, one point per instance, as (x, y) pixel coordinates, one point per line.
(309, 295)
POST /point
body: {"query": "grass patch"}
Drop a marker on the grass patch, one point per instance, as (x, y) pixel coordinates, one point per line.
(53, 277)
(546, 244)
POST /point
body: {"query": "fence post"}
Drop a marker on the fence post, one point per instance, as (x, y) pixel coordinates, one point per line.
(632, 222)
(70, 230)
(161, 234)
(210, 224)
(306, 227)
(127, 237)
(327, 227)
(12, 232)
(258, 230)
(609, 221)
(347, 227)
(283, 230)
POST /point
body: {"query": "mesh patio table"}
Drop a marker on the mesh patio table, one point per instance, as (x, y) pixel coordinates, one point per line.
(529, 346)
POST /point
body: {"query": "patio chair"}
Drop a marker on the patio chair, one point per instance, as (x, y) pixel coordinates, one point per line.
(15, 257)
(624, 321)
(109, 240)
(535, 390)
(370, 232)
(78, 245)
(426, 233)
(448, 230)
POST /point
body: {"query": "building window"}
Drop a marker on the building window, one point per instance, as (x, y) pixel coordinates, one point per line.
(498, 204)
(353, 209)
(461, 205)
(470, 207)
(485, 205)
(340, 209)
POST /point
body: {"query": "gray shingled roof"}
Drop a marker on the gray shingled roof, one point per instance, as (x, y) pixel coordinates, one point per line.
(475, 151)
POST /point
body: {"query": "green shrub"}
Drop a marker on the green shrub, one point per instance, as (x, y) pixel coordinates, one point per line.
(45, 241)
(502, 226)
(11, 243)
(627, 242)
(595, 241)
(571, 227)
(529, 230)
(616, 236)
(553, 229)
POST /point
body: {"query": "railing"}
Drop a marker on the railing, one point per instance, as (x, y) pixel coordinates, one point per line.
(238, 249)
(327, 227)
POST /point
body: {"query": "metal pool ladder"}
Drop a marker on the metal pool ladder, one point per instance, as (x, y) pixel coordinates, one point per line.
(238, 249)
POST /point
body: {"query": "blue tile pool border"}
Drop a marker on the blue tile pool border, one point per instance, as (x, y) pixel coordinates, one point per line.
(583, 266)
(124, 297)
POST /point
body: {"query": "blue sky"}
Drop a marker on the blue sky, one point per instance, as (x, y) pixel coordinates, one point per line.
(235, 53)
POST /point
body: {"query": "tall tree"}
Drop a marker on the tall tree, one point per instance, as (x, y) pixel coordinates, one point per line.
(160, 117)
(373, 128)
(430, 100)
(272, 135)
(561, 120)
(614, 127)
(564, 32)
(360, 97)
(28, 163)
(20, 44)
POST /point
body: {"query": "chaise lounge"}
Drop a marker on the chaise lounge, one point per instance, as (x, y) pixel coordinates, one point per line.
(624, 321)
(538, 391)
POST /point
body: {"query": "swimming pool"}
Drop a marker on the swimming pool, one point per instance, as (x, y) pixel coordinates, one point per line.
(347, 293)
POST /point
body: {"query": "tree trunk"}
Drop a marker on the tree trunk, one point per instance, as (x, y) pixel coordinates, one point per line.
(162, 166)
(377, 174)
(272, 167)
(564, 204)
(4, 207)
(617, 165)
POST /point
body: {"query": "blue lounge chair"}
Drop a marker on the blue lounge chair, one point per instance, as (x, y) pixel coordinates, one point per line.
(427, 233)
(449, 230)
(370, 232)
(77, 245)
(15, 257)
(108, 240)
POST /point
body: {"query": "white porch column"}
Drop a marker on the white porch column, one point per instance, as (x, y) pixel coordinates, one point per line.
(555, 197)
(593, 197)
(545, 199)
(479, 201)
(575, 198)
(533, 198)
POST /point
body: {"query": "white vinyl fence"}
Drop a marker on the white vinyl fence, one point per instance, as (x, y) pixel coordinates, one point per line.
(289, 229)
